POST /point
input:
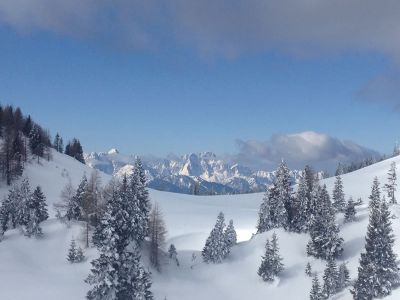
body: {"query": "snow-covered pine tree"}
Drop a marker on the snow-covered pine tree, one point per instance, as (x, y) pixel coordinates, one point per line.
(315, 293)
(375, 197)
(378, 271)
(264, 214)
(39, 203)
(32, 227)
(344, 276)
(117, 273)
(350, 212)
(138, 183)
(324, 232)
(278, 211)
(230, 235)
(308, 270)
(72, 252)
(277, 265)
(391, 185)
(8, 210)
(215, 249)
(339, 202)
(300, 207)
(265, 271)
(173, 254)
(285, 196)
(331, 279)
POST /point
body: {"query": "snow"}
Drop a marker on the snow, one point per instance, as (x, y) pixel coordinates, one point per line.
(38, 269)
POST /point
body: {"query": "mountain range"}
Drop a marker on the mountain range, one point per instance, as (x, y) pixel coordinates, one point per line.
(195, 173)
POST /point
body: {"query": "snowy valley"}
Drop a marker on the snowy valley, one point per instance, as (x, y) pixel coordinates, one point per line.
(41, 266)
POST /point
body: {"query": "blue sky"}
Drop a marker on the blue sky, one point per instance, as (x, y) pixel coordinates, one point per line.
(178, 97)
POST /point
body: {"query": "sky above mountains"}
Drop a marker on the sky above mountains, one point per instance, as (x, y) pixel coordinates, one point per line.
(238, 77)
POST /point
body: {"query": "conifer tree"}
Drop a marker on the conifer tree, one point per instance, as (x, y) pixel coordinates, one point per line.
(344, 276)
(331, 279)
(301, 207)
(391, 185)
(284, 196)
(375, 197)
(117, 273)
(315, 293)
(230, 235)
(39, 204)
(339, 202)
(271, 264)
(378, 271)
(72, 252)
(350, 212)
(325, 241)
(264, 215)
(215, 249)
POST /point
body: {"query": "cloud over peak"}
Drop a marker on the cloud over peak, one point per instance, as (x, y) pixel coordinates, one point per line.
(317, 149)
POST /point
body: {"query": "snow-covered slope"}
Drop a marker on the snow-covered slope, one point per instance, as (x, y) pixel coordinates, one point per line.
(211, 174)
(37, 269)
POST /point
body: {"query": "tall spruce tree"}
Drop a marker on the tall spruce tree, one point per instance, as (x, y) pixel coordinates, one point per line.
(375, 197)
(39, 204)
(230, 235)
(215, 249)
(271, 264)
(285, 194)
(350, 212)
(300, 208)
(343, 276)
(117, 273)
(339, 202)
(325, 241)
(315, 293)
(378, 272)
(264, 214)
(331, 279)
(391, 185)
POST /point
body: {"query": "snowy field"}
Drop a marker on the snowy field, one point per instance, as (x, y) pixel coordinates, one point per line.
(38, 269)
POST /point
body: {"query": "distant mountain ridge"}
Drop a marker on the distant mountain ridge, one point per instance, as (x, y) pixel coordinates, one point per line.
(202, 173)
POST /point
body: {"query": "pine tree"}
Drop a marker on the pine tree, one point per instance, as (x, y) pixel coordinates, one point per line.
(264, 215)
(173, 254)
(350, 213)
(284, 196)
(39, 203)
(315, 293)
(271, 264)
(339, 202)
(230, 235)
(72, 252)
(308, 270)
(139, 182)
(278, 212)
(375, 197)
(265, 270)
(35, 142)
(390, 186)
(117, 273)
(331, 279)
(325, 240)
(378, 271)
(344, 276)
(215, 249)
(301, 207)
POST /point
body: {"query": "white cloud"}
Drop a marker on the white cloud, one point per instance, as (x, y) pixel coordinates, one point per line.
(316, 149)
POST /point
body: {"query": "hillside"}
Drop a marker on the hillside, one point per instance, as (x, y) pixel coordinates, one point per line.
(37, 269)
